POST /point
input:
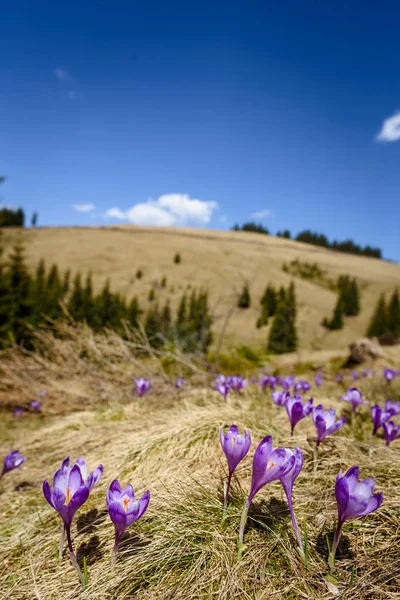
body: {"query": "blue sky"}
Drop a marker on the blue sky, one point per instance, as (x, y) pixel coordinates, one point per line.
(204, 113)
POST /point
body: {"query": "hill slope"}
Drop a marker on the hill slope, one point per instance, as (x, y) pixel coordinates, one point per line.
(220, 262)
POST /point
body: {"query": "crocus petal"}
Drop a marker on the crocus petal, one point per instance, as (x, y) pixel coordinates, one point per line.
(342, 497)
(143, 503)
(75, 480)
(79, 498)
(60, 479)
(82, 465)
(48, 493)
(94, 477)
(373, 504)
(117, 516)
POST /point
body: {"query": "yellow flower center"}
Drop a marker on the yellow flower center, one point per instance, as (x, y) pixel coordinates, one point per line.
(68, 496)
(233, 441)
(126, 502)
(270, 464)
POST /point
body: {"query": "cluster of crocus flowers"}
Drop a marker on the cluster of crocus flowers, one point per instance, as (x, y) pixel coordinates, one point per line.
(354, 499)
(12, 461)
(124, 509)
(268, 381)
(71, 489)
(223, 388)
(142, 386)
(355, 397)
(235, 446)
(35, 405)
(302, 386)
(296, 410)
(325, 422)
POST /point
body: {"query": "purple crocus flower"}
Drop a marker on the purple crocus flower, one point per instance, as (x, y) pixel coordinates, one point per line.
(223, 389)
(42, 393)
(269, 381)
(279, 398)
(71, 489)
(269, 465)
(235, 446)
(302, 386)
(123, 509)
(296, 410)
(35, 405)
(391, 432)
(392, 407)
(12, 461)
(287, 482)
(325, 422)
(319, 379)
(354, 375)
(287, 382)
(179, 383)
(18, 411)
(236, 382)
(354, 396)
(354, 499)
(142, 386)
(389, 375)
(379, 417)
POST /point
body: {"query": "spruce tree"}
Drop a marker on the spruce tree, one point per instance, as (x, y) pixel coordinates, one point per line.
(76, 301)
(244, 298)
(177, 259)
(181, 317)
(134, 312)
(88, 304)
(152, 295)
(19, 297)
(66, 282)
(379, 321)
(166, 320)
(283, 335)
(337, 320)
(53, 294)
(393, 315)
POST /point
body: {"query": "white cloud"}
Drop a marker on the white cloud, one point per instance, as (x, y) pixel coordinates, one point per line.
(390, 131)
(66, 83)
(83, 208)
(261, 214)
(167, 210)
(60, 74)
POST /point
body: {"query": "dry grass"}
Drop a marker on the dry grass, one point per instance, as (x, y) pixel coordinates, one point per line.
(169, 443)
(220, 262)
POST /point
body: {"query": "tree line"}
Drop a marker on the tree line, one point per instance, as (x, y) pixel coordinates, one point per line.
(27, 301)
(316, 239)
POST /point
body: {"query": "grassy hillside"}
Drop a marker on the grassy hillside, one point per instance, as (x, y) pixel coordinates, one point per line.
(220, 262)
(169, 443)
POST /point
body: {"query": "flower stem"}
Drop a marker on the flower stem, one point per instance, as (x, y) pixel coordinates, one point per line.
(335, 544)
(243, 522)
(316, 456)
(226, 496)
(60, 550)
(72, 555)
(295, 526)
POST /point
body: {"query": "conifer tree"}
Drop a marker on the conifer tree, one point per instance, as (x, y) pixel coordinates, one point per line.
(133, 312)
(393, 315)
(51, 306)
(244, 298)
(88, 301)
(151, 295)
(76, 302)
(19, 298)
(283, 335)
(66, 282)
(166, 320)
(153, 326)
(337, 319)
(379, 322)
(177, 258)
